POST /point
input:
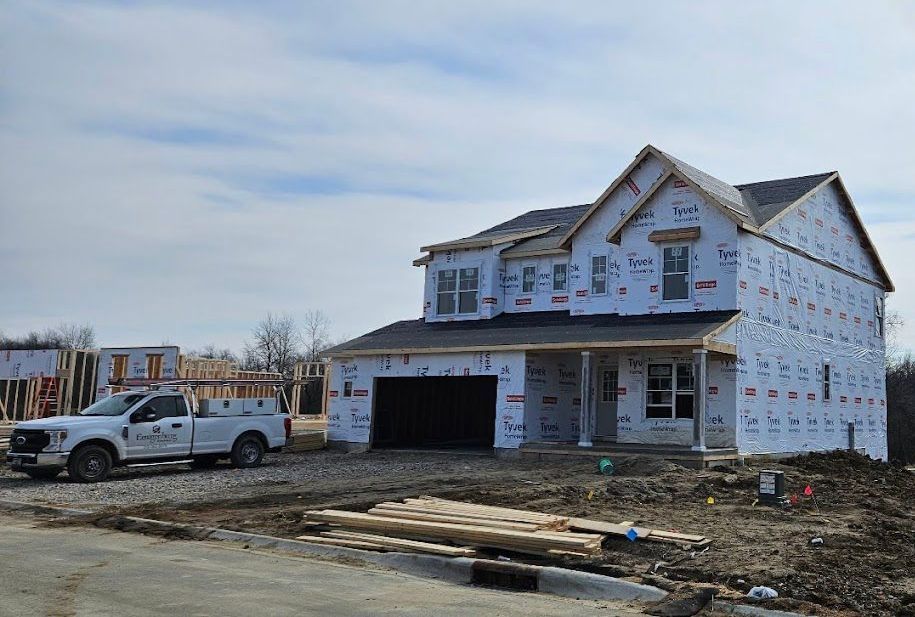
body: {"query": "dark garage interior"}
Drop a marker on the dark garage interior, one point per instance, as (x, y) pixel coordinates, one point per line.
(434, 412)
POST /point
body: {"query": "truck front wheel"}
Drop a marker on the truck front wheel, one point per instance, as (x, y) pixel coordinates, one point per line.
(248, 451)
(89, 464)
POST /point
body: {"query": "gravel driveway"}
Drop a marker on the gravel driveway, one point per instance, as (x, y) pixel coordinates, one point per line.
(180, 484)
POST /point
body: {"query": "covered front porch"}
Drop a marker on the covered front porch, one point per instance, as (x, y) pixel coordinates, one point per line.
(657, 397)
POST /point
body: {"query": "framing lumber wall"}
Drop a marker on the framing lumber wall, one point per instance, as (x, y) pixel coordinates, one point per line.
(75, 374)
(309, 384)
(190, 367)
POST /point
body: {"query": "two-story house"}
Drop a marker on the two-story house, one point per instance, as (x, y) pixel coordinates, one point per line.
(676, 311)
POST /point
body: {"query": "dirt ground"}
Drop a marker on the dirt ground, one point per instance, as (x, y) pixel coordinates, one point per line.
(863, 511)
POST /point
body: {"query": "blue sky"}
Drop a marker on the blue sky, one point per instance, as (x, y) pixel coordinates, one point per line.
(188, 167)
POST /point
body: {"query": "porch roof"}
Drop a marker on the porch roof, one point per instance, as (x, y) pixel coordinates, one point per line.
(545, 330)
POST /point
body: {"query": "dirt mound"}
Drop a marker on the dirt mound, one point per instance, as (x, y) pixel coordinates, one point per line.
(644, 466)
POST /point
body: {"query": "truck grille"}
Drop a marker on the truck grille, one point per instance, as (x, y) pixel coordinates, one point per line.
(28, 441)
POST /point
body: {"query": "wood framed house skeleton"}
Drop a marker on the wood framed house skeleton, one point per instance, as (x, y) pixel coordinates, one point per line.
(676, 311)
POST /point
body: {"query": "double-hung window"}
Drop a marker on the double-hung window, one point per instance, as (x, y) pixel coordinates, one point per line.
(675, 281)
(878, 316)
(560, 277)
(457, 291)
(528, 279)
(598, 274)
(669, 392)
(347, 389)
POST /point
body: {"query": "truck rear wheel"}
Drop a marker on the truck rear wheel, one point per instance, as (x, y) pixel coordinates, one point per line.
(43, 474)
(248, 451)
(89, 464)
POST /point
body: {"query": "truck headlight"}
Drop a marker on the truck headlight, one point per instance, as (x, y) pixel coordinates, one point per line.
(57, 439)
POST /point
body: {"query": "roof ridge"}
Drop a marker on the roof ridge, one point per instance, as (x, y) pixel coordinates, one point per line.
(804, 177)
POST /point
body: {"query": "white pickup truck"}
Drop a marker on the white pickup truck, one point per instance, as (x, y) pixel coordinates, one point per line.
(141, 428)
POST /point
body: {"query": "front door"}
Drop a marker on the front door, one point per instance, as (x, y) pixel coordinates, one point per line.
(607, 382)
(167, 435)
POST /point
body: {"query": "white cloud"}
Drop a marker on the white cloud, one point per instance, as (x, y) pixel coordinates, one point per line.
(155, 158)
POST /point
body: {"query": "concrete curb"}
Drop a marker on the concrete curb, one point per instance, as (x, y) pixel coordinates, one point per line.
(746, 610)
(459, 570)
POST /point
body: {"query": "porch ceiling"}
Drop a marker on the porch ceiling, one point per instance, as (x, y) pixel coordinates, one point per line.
(547, 330)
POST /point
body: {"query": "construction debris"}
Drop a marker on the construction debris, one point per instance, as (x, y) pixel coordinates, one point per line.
(420, 525)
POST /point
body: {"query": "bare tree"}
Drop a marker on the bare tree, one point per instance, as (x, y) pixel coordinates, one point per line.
(316, 335)
(214, 353)
(275, 346)
(76, 336)
(892, 330)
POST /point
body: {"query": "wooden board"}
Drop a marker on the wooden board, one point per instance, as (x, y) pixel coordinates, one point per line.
(403, 544)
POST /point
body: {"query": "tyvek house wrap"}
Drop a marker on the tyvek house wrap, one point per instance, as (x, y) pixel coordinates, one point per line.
(552, 396)
(799, 315)
(136, 364)
(24, 363)
(633, 425)
(349, 419)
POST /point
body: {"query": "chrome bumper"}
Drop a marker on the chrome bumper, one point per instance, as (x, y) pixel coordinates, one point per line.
(41, 459)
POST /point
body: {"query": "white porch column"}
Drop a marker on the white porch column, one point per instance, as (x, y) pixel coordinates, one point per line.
(700, 390)
(585, 423)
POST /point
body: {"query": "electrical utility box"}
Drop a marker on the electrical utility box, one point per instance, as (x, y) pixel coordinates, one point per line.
(772, 487)
(223, 407)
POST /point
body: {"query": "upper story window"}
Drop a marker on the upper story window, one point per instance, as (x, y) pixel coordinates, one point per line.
(878, 316)
(675, 281)
(528, 279)
(458, 291)
(560, 277)
(598, 274)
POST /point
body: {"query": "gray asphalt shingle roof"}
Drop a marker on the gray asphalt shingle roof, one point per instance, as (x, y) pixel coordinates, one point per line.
(537, 328)
(767, 199)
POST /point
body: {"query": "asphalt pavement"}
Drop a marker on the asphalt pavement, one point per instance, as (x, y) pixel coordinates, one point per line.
(76, 571)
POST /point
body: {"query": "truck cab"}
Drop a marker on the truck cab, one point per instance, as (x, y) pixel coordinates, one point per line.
(148, 427)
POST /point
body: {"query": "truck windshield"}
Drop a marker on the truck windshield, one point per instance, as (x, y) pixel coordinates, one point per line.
(112, 406)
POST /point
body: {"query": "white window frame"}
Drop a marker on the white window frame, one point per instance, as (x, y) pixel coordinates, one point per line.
(456, 292)
(565, 280)
(533, 289)
(689, 271)
(879, 317)
(348, 385)
(606, 273)
(675, 390)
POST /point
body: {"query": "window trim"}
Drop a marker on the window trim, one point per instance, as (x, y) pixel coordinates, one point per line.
(689, 271)
(533, 290)
(606, 258)
(674, 363)
(565, 282)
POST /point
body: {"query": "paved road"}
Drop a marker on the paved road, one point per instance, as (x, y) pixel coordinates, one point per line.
(62, 572)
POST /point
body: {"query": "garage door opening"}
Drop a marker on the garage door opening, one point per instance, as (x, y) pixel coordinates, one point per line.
(434, 412)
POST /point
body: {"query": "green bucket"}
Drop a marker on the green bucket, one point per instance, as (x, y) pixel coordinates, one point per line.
(606, 466)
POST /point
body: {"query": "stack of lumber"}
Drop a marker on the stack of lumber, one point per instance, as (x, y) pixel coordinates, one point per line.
(303, 441)
(427, 522)
(643, 533)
